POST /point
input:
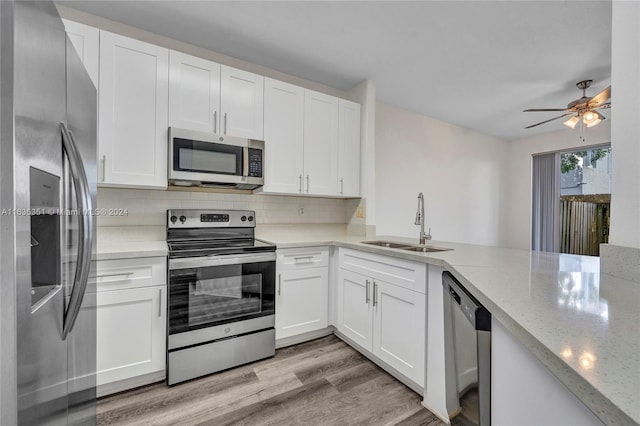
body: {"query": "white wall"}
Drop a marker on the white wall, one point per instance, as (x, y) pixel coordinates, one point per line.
(518, 211)
(625, 130)
(460, 172)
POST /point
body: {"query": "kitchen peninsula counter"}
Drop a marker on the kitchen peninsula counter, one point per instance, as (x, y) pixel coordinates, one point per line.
(554, 304)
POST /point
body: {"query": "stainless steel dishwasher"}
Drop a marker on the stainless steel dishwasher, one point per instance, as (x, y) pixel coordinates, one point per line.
(467, 334)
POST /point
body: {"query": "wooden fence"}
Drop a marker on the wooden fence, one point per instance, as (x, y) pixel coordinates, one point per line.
(584, 224)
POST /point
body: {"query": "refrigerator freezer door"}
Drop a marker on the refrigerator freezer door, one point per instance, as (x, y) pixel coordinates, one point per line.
(56, 376)
(39, 105)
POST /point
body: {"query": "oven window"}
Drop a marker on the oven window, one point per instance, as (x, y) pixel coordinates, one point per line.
(223, 297)
(203, 297)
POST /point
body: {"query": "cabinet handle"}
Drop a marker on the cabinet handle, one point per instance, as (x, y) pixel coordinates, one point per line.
(366, 297)
(279, 283)
(375, 293)
(215, 121)
(104, 166)
(225, 123)
(115, 274)
(341, 185)
(307, 184)
(300, 183)
(159, 302)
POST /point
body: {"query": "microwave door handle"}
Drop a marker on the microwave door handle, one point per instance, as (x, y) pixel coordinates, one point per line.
(85, 228)
(245, 161)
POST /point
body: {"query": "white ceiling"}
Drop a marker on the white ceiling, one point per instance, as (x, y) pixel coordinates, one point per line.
(476, 64)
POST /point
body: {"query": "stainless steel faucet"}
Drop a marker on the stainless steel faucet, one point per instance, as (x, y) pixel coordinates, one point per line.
(420, 220)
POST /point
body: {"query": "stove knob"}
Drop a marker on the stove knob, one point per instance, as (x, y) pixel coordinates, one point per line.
(173, 219)
(183, 219)
(250, 218)
(243, 218)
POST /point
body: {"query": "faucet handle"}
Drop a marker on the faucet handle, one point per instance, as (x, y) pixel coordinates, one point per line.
(428, 236)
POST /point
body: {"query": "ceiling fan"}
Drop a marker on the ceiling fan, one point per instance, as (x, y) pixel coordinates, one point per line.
(583, 108)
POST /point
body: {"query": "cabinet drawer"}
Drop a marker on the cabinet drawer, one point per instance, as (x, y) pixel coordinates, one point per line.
(407, 274)
(306, 257)
(121, 274)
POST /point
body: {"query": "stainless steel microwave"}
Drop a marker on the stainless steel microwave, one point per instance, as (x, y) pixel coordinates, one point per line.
(206, 159)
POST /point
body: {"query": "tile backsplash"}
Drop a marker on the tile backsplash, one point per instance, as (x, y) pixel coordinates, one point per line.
(140, 207)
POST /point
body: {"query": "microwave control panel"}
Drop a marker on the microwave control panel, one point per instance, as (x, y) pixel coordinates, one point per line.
(255, 162)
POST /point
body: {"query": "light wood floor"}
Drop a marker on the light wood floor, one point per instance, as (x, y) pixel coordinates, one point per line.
(322, 382)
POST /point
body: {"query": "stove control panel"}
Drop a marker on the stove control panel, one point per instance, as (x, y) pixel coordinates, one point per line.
(195, 218)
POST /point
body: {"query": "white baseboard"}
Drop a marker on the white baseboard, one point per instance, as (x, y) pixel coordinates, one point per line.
(304, 337)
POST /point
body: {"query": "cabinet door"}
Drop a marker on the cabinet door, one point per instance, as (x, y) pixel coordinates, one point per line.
(194, 93)
(399, 329)
(131, 333)
(355, 313)
(242, 103)
(349, 149)
(301, 301)
(86, 40)
(320, 143)
(283, 137)
(133, 121)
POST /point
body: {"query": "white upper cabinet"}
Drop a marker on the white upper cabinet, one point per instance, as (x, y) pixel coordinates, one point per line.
(242, 103)
(320, 143)
(312, 142)
(133, 116)
(86, 40)
(349, 149)
(283, 137)
(215, 98)
(194, 93)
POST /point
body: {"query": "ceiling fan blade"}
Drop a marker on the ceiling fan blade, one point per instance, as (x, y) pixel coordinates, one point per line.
(600, 97)
(604, 105)
(544, 109)
(546, 121)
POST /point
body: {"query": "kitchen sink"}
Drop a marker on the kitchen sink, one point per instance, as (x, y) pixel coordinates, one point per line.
(387, 244)
(405, 246)
(424, 249)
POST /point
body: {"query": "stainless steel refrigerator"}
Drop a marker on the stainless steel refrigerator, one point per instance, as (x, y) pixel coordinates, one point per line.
(48, 114)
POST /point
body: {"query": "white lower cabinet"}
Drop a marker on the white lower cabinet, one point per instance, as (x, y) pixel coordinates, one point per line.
(302, 291)
(355, 312)
(131, 319)
(301, 304)
(130, 333)
(399, 329)
(386, 319)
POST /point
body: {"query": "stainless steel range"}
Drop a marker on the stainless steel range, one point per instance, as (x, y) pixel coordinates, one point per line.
(221, 292)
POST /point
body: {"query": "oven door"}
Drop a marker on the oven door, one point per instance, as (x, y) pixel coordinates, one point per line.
(214, 290)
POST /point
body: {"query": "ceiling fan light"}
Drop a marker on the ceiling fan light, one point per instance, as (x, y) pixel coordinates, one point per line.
(592, 118)
(572, 122)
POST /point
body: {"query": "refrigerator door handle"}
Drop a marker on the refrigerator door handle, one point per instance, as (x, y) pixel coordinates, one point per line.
(85, 237)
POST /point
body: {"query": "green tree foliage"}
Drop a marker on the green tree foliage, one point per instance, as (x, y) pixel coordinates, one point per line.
(571, 160)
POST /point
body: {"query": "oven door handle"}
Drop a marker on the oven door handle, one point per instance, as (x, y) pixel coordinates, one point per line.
(206, 261)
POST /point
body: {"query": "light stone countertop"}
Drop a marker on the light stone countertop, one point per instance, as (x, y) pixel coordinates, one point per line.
(554, 304)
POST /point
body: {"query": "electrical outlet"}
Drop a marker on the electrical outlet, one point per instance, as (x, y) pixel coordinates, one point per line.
(360, 212)
(301, 211)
